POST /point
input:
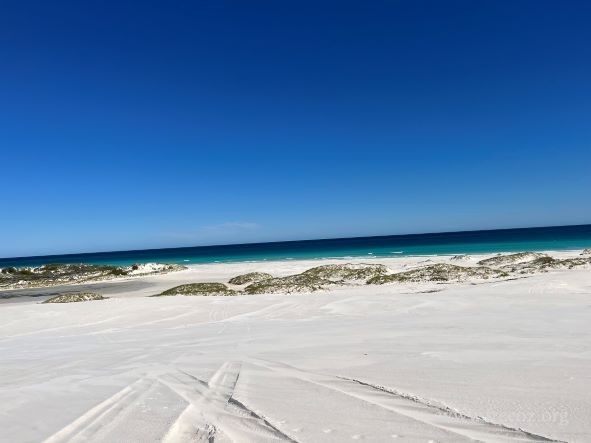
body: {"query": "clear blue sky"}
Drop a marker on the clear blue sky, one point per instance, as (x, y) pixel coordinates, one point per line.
(146, 124)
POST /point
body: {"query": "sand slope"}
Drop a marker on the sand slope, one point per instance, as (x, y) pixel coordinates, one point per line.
(499, 361)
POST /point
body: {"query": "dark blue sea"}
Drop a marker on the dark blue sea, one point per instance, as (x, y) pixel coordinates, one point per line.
(466, 242)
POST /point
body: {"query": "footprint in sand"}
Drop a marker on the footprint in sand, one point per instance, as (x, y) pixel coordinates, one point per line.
(395, 436)
(357, 437)
(327, 431)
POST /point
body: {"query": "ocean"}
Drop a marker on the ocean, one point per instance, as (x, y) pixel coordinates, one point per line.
(465, 242)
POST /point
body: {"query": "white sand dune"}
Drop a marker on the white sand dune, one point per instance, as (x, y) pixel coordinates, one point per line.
(501, 361)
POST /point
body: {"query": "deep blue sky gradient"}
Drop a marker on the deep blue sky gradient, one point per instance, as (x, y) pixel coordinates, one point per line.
(129, 125)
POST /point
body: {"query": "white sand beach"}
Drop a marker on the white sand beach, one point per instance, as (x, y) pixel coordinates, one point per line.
(497, 361)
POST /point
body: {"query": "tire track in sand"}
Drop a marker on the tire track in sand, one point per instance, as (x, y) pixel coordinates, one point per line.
(173, 406)
(421, 410)
(142, 411)
(212, 407)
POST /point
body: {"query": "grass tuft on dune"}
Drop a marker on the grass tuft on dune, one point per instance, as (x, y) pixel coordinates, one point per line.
(251, 277)
(75, 297)
(199, 289)
(57, 273)
(440, 272)
(507, 259)
(318, 278)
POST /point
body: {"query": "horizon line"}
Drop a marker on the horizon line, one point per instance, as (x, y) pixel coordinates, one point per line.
(296, 241)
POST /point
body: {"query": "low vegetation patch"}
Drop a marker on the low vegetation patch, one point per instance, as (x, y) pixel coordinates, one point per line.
(546, 263)
(438, 273)
(317, 278)
(199, 289)
(519, 257)
(586, 252)
(75, 297)
(347, 272)
(251, 277)
(55, 273)
(286, 285)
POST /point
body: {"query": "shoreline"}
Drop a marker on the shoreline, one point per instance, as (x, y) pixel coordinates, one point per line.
(150, 284)
(458, 242)
(369, 255)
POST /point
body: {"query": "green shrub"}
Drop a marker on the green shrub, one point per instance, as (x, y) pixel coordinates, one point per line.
(199, 289)
(118, 271)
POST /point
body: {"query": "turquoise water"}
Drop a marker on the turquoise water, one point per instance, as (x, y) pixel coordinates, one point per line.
(467, 242)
